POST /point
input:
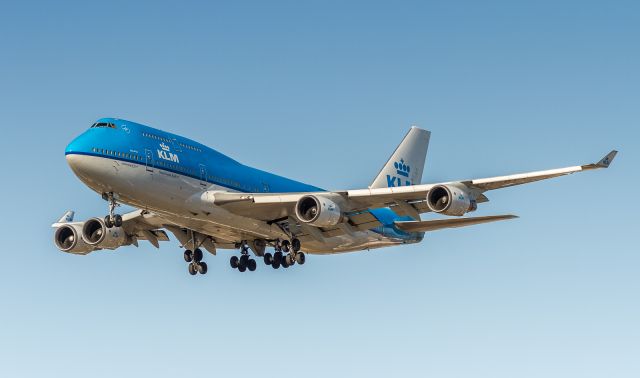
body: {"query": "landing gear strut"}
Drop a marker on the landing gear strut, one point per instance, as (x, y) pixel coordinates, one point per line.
(113, 219)
(243, 262)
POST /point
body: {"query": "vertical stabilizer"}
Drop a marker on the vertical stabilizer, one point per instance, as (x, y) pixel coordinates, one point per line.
(406, 164)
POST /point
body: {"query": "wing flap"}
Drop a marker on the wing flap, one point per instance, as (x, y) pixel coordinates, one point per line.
(439, 224)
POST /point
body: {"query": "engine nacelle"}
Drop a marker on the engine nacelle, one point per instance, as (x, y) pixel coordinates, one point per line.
(450, 200)
(96, 234)
(68, 238)
(318, 211)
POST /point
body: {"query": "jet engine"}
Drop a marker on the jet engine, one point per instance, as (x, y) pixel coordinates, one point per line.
(450, 200)
(318, 211)
(68, 238)
(96, 234)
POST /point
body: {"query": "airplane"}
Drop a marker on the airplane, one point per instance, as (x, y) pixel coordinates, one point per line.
(209, 201)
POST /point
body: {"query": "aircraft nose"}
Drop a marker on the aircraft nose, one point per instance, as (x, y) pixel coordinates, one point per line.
(75, 146)
(75, 153)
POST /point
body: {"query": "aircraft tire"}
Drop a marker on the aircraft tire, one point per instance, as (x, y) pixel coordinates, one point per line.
(242, 268)
(202, 267)
(251, 265)
(192, 269)
(197, 255)
(300, 258)
(188, 256)
(107, 222)
(290, 260)
(295, 245)
(268, 258)
(235, 262)
(117, 220)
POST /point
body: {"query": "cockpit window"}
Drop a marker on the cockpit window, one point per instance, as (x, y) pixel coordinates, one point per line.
(104, 124)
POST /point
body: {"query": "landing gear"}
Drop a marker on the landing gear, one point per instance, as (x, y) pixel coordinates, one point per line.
(113, 219)
(193, 255)
(196, 265)
(243, 262)
(287, 253)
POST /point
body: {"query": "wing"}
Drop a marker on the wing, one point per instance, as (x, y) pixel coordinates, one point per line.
(405, 200)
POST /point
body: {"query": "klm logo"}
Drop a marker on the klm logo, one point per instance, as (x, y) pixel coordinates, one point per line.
(402, 175)
(166, 154)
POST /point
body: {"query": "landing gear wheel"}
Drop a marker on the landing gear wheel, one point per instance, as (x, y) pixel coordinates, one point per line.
(197, 255)
(242, 268)
(244, 259)
(188, 256)
(107, 221)
(192, 269)
(275, 264)
(284, 263)
(285, 246)
(202, 267)
(277, 258)
(235, 262)
(117, 220)
(251, 265)
(300, 258)
(295, 245)
(268, 258)
(289, 260)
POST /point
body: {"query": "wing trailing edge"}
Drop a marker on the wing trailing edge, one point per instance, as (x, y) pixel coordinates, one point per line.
(439, 224)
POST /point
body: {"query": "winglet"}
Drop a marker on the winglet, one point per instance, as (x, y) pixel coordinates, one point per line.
(604, 162)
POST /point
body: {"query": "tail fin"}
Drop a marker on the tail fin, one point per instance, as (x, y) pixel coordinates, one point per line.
(406, 163)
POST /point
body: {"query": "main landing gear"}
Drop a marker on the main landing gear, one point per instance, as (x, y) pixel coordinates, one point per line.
(194, 258)
(243, 262)
(287, 253)
(113, 219)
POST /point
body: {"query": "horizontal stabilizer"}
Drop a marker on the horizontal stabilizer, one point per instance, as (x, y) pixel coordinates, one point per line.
(432, 225)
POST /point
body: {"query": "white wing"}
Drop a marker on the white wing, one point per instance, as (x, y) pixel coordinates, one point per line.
(406, 200)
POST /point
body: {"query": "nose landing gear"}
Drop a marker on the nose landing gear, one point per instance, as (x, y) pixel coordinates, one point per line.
(113, 219)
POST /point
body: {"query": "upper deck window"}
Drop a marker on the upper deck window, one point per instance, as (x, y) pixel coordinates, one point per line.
(104, 124)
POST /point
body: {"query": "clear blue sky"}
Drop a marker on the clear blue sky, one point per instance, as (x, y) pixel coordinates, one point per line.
(322, 92)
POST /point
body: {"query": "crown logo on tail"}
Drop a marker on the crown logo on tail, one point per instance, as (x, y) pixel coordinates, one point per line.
(401, 168)
(164, 147)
